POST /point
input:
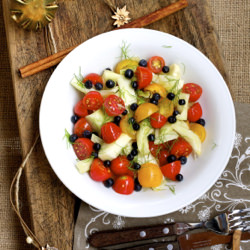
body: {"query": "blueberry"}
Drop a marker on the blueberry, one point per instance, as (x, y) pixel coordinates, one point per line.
(181, 102)
(153, 101)
(73, 138)
(87, 134)
(171, 119)
(156, 96)
(171, 96)
(107, 163)
(130, 157)
(108, 69)
(183, 160)
(98, 86)
(117, 120)
(176, 112)
(74, 118)
(179, 177)
(136, 126)
(110, 84)
(171, 158)
(129, 73)
(133, 106)
(134, 152)
(137, 185)
(151, 137)
(136, 166)
(124, 112)
(97, 146)
(134, 145)
(88, 84)
(201, 122)
(131, 120)
(95, 154)
(143, 63)
(165, 69)
(134, 85)
(108, 183)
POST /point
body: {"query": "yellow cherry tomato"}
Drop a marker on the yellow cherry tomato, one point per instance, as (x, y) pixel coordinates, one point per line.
(126, 64)
(199, 130)
(145, 110)
(150, 175)
(126, 127)
(156, 88)
(166, 107)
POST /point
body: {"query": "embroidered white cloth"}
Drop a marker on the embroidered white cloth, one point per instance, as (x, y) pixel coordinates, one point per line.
(231, 191)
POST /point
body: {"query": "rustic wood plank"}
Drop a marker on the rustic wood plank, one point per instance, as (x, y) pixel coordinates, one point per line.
(51, 204)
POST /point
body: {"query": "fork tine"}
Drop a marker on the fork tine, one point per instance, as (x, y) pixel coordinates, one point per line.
(239, 211)
(247, 216)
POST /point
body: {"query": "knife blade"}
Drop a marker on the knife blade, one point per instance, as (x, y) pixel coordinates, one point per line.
(190, 241)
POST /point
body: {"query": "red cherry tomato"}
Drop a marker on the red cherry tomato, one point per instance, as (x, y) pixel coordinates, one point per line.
(144, 77)
(124, 185)
(98, 172)
(110, 132)
(194, 112)
(80, 126)
(83, 148)
(162, 156)
(181, 148)
(170, 170)
(120, 166)
(114, 105)
(155, 64)
(155, 149)
(94, 78)
(93, 100)
(194, 90)
(80, 110)
(157, 120)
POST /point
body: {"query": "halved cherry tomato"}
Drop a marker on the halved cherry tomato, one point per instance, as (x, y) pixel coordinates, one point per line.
(199, 130)
(83, 148)
(194, 90)
(120, 166)
(162, 156)
(80, 126)
(194, 112)
(110, 132)
(156, 88)
(155, 64)
(150, 175)
(144, 77)
(125, 64)
(126, 127)
(170, 170)
(155, 149)
(145, 110)
(180, 147)
(166, 107)
(93, 100)
(157, 120)
(98, 172)
(94, 78)
(80, 110)
(124, 185)
(114, 105)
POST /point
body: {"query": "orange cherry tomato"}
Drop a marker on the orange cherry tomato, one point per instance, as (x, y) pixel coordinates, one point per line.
(194, 90)
(124, 185)
(83, 148)
(110, 132)
(114, 105)
(98, 172)
(180, 147)
(150, 175)
(145, 110)
(126, 127)
(80, 110)
(80, 126)
(155, 64)
(93, 100)
(157, 120)
(199, 130)
(166, 107)
(170, 170)
(94, 78)
(144, 77)
(194, 112)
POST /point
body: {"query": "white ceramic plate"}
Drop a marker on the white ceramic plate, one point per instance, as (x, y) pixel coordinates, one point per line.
(103, 51)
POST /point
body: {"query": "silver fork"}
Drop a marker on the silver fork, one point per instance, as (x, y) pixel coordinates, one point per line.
(224, 223)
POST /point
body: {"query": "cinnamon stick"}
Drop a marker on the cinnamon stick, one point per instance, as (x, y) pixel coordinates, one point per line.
(56, 58)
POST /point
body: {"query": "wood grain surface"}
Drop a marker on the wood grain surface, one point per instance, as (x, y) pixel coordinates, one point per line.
(51, 204)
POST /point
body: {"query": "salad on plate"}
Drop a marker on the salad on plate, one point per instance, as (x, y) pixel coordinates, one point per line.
(136, 125)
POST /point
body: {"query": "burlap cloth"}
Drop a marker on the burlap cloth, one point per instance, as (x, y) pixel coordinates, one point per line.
(231, 19)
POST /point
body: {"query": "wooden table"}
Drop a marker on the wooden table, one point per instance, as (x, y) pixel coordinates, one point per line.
(52, 206)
